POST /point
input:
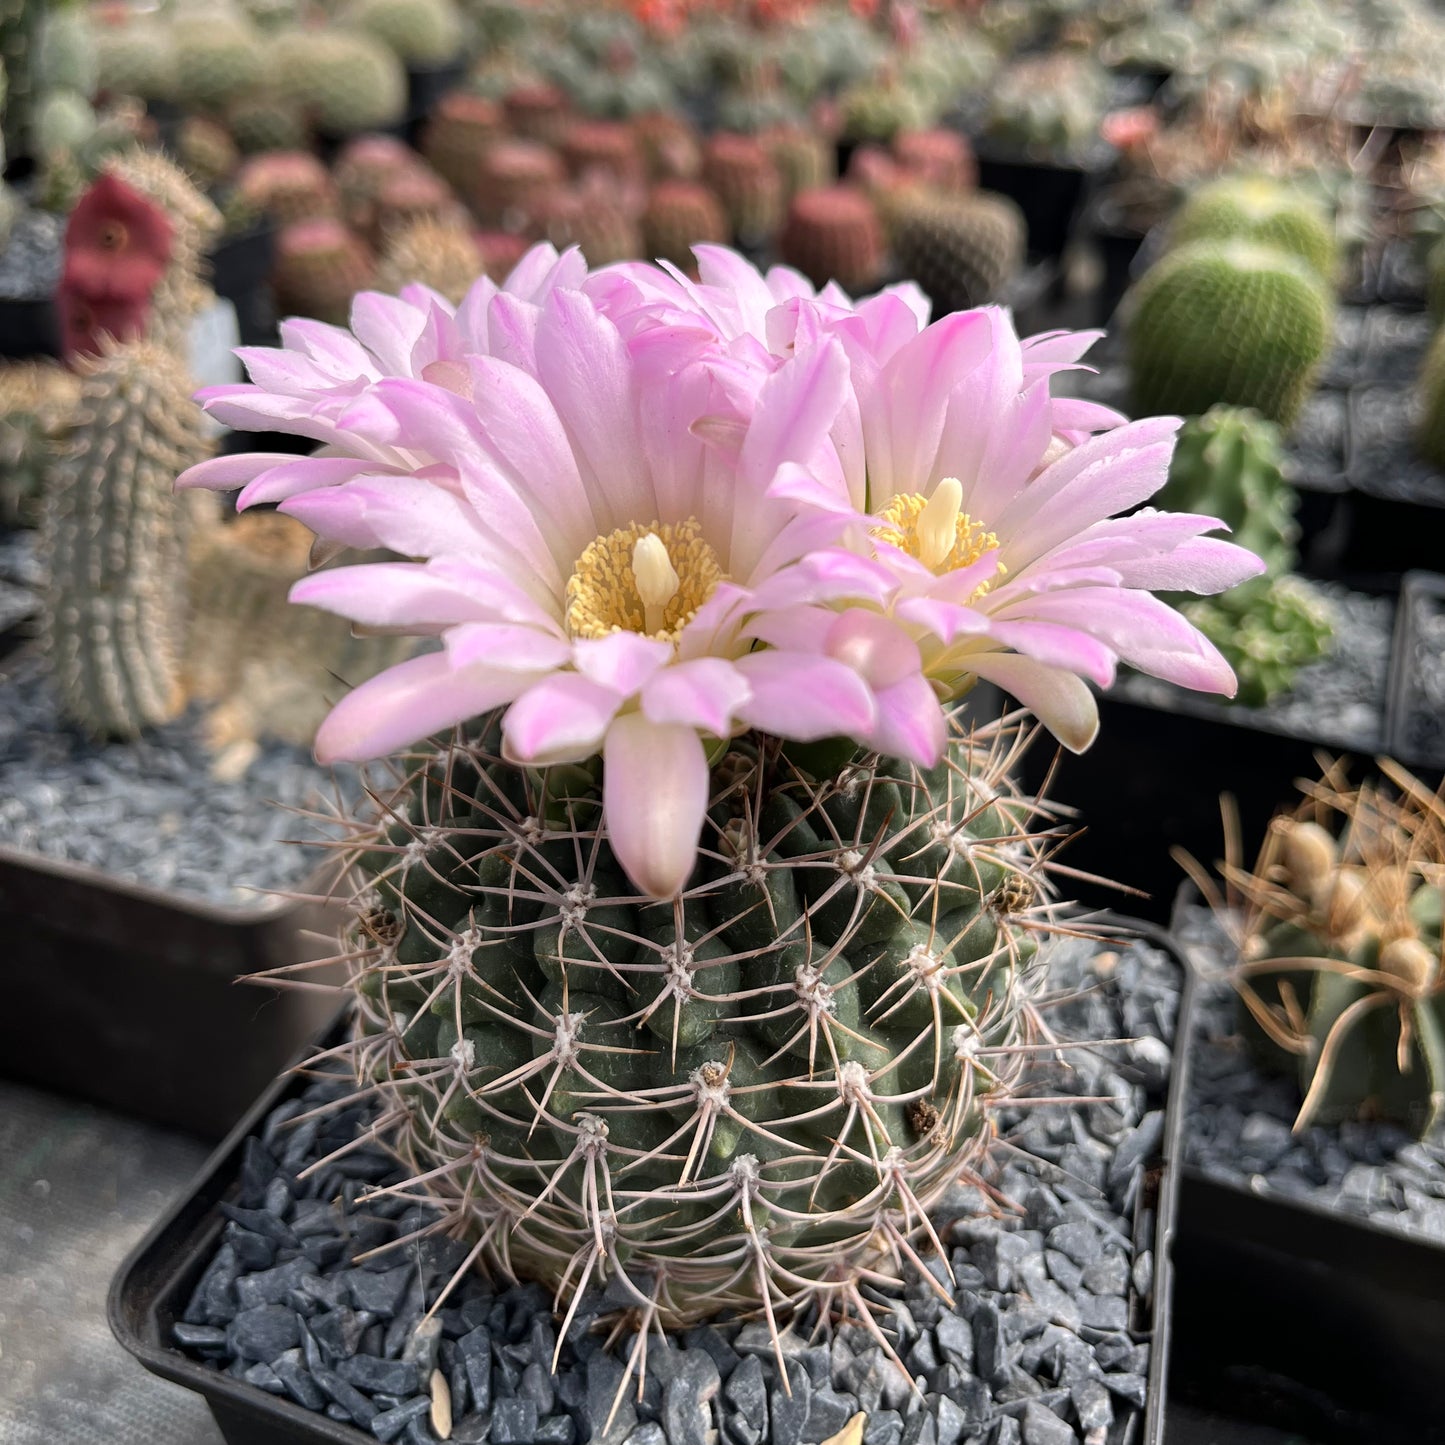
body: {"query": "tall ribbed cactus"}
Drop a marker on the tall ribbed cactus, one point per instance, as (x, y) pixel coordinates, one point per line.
(748, 1096)
(19, 37)
(115, 539)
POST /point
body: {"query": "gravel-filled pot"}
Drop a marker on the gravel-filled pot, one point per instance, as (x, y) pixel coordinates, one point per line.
(1054, 1326)
(1334, 1235)
(118, 901)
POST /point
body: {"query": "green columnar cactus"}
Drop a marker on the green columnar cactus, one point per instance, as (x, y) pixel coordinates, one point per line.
(66, 59)
(115, 540)
(1341, 948)
(422, 33)
(1263, 209)
(750, 1094)
(218, 59)
(1229, 463)
(832, 233)
(745, 178)
(320, 266)
(961, 249)
(458, 134)
(681, 215)
(344, 82)
(1430, 391)
(1228, 321)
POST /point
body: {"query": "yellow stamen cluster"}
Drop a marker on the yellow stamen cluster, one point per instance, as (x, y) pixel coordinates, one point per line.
(649, 578)
(937, 531)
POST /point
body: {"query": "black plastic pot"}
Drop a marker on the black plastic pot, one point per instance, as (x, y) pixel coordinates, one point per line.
(1152, 780)
(151, 1288)
(1051, 193)
(1415, 727)
(1307, 1320)
(427, 86)
(241, 272)
(129, 996)
(29, 328)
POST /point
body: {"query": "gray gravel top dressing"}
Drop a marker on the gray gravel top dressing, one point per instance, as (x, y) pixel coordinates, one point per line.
(1037, 1350)
(1238, 1124)
(150, 811)
(1339, 700)
(30, 260)
(1421, 727)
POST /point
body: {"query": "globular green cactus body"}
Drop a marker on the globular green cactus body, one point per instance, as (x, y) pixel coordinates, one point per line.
(345, 82)
(420, 32)
(1341, 975)
(1229, 463)
(218, 59)
(1228, 321)
(1263, 209)
(116, 538)
(1267, 629)
(747, 1096)
(960, 249)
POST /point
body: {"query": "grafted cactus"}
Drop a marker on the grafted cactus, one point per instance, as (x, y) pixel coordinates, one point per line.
(745, 1097)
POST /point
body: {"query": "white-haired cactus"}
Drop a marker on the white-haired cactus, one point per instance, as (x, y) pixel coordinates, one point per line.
(746, 1097)
(115, 539)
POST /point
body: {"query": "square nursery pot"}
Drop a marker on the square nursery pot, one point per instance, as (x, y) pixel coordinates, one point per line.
(1153, 778)
(1296, 1306)
(132, 997)
(241, 272)
(1051, 191)
(151, 1292)
(1416, 730)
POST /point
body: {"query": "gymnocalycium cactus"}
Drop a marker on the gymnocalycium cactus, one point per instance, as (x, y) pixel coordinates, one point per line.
(695, 954)
(1338, 928)
(1264, 209)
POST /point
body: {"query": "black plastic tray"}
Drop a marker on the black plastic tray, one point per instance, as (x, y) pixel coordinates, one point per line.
(133, 997)
(1418, 591)
(1052, 194)
(151, 1288)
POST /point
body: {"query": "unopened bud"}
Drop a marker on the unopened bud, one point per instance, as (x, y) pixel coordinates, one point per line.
(1309, 856)
(1409, 960)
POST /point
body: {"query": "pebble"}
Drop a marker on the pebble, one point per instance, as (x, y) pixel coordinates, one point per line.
(150, 811)
(1037, 1333)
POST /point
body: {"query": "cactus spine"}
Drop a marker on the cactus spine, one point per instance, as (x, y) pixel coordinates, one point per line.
(747, 1096)
(1229, 321)
(1340, 938)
